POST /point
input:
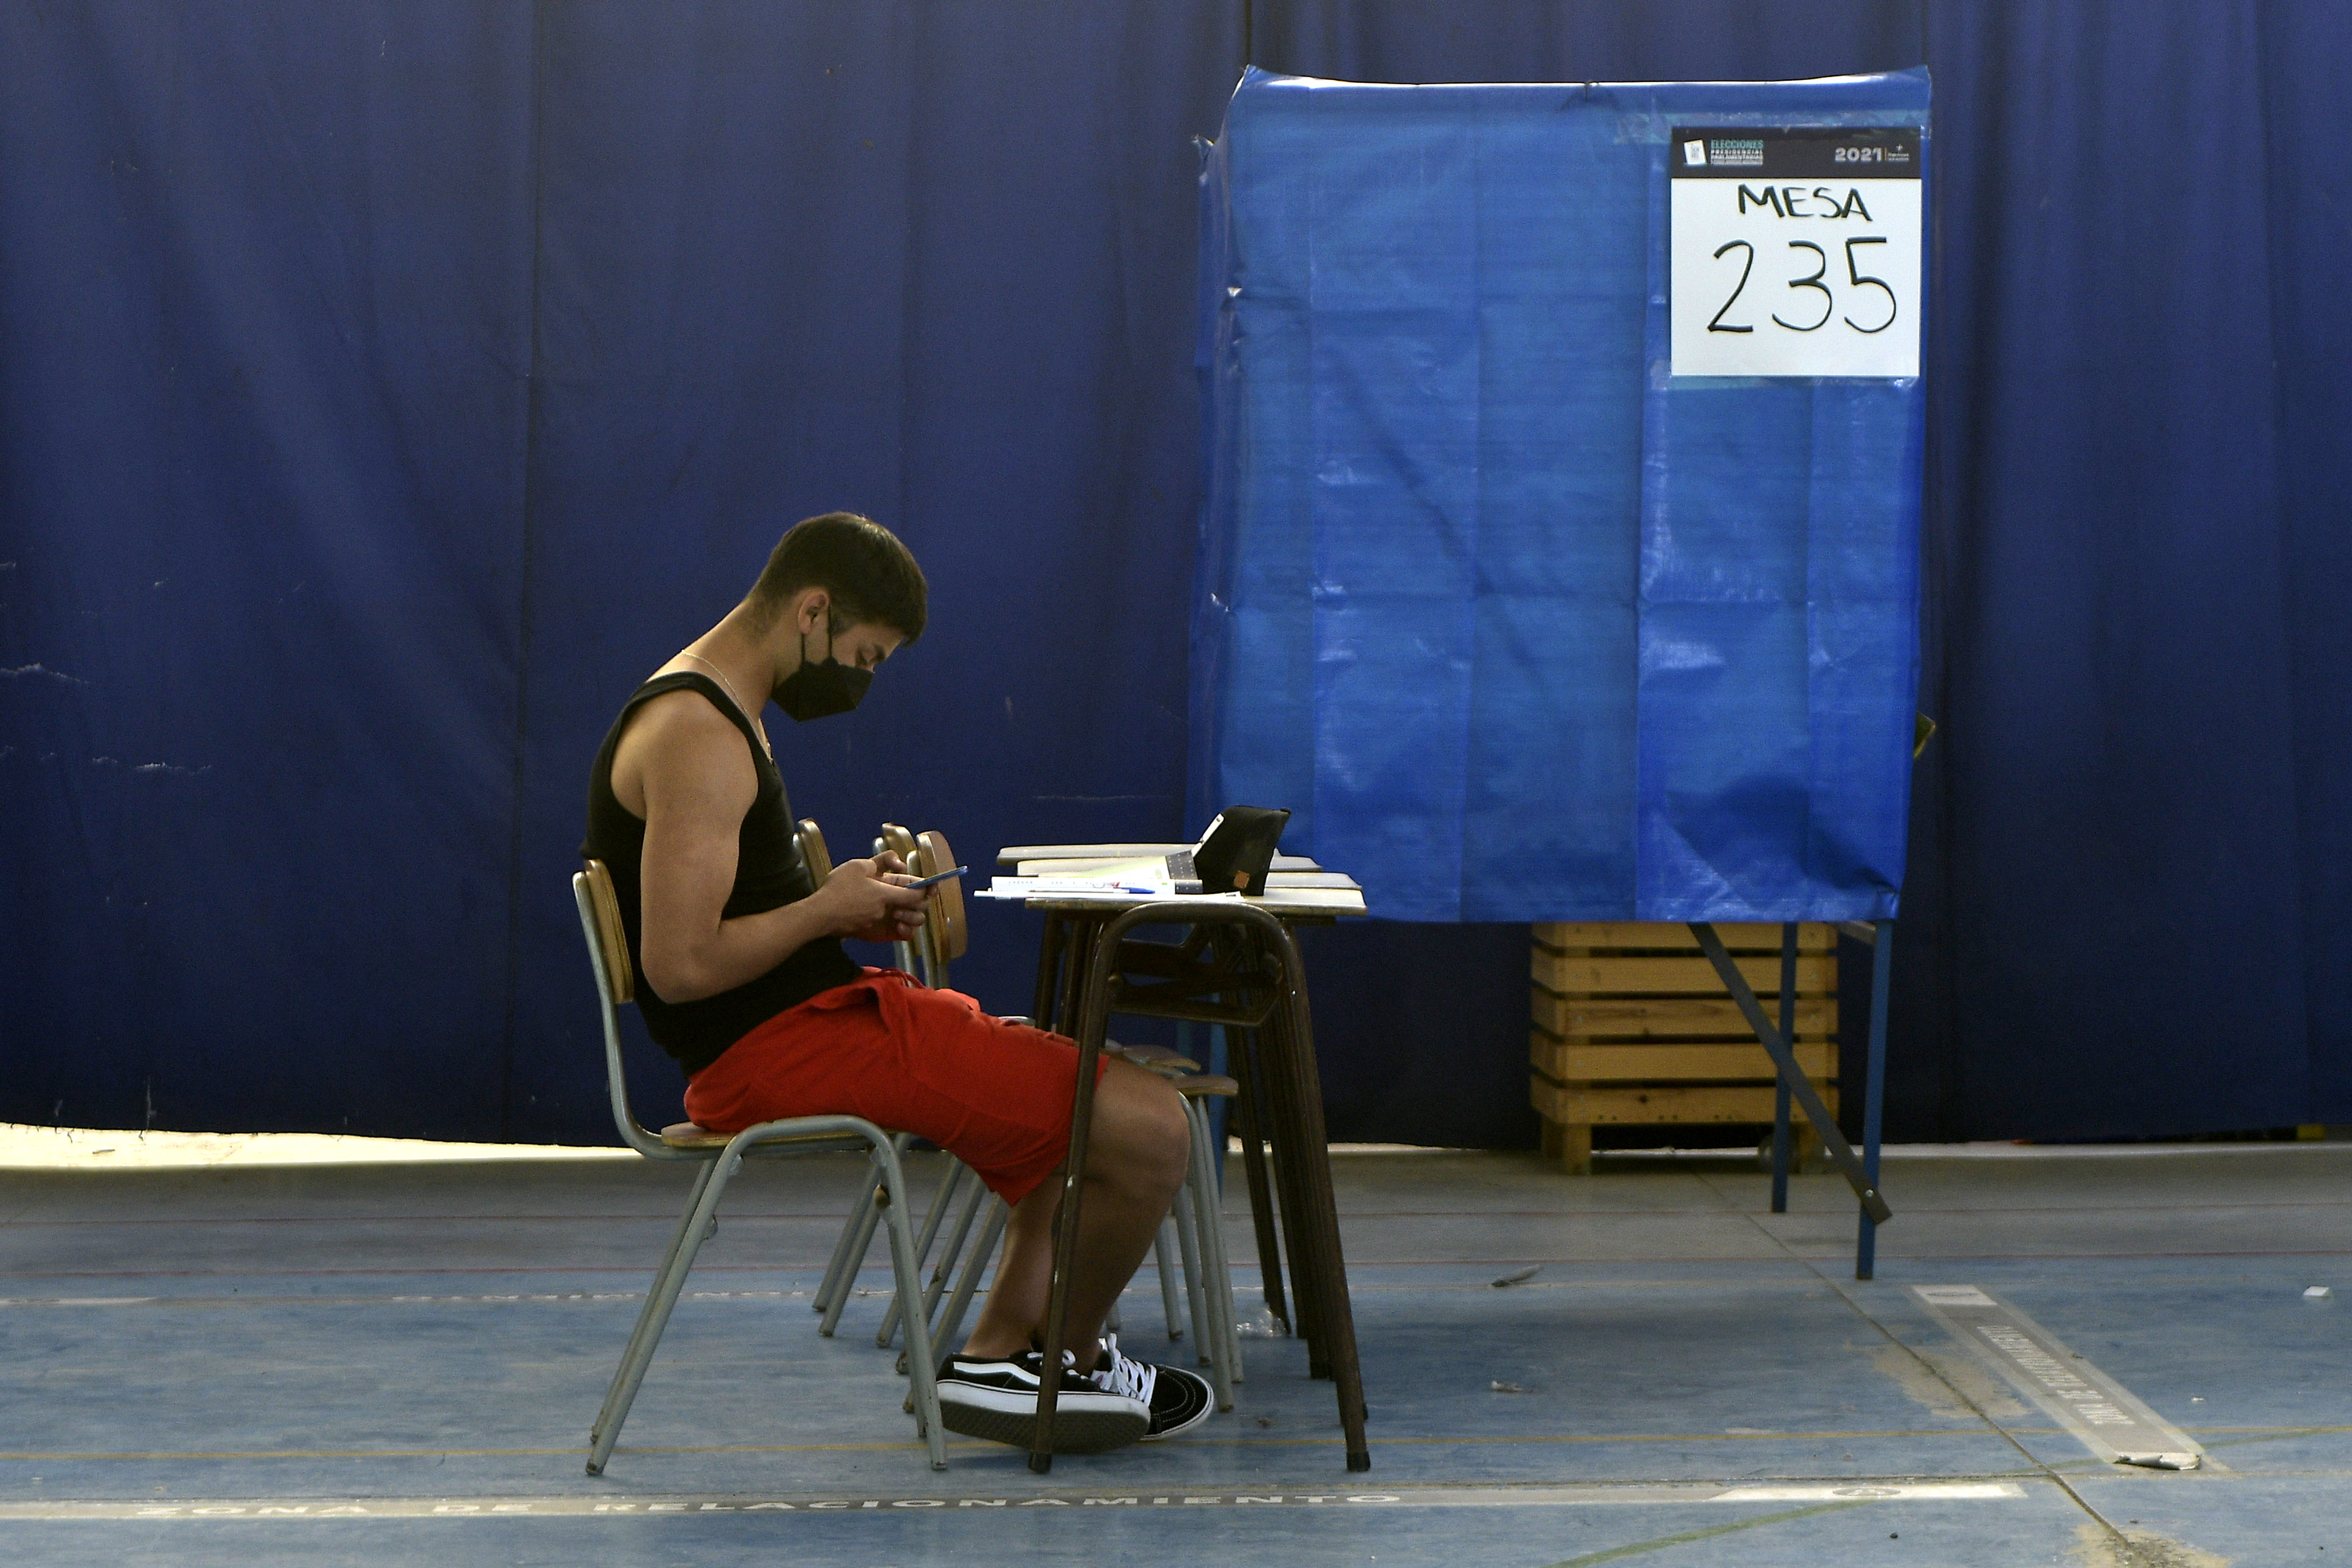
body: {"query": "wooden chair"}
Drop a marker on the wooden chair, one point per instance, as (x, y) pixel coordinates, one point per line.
(944, 934)
(813, 849)
(945, 937)
(834, 1290)
(1192, 1231)
(840, 1281)
(1193, 1222)
(896, 840)
(717, 1158)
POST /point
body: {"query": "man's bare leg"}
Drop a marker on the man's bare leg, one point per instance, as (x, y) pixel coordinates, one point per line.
(1136, 1155)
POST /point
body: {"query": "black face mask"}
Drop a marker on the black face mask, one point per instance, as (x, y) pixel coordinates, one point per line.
(820, 690)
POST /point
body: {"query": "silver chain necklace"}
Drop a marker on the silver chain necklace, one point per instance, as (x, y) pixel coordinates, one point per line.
(741, 706)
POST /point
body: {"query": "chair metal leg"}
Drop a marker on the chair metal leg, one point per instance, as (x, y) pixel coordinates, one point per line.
(702, 1203)
(1196, 1300)
(1215, 1351)
(951, 1325)
(1242, 1050)
(921, 1366)
(1217, 1269)
(973, 1199)
(1187, 1215)
(840, 1260)
(1199, 1278)
(1161, 1244)
(868, 1213)
(645, 1312)
(950, 1182)
(856, 1230)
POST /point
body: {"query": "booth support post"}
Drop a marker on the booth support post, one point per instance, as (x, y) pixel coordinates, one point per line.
(1863, 1180)
(1779, 1079)
(1873, 1092)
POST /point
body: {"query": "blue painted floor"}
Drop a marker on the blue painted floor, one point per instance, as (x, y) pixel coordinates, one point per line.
(1689, 1378)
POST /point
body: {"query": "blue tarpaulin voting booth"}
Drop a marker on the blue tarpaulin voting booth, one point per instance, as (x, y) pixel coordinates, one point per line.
(1522, 621)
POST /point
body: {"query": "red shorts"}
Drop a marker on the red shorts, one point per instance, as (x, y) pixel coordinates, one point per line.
(911, 1059)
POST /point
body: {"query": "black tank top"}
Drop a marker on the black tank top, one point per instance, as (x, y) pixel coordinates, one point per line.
(770, 870)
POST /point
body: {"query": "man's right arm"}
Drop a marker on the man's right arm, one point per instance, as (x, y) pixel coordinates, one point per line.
(698, 784)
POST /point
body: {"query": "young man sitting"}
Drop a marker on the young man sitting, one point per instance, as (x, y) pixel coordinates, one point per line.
(742, 977)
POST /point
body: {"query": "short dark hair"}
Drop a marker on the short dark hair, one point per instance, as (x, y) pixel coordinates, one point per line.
(871, 576)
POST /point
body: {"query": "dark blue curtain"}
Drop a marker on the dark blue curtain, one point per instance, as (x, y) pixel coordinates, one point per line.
(265, 355)
(383, 389)
(2131, 905)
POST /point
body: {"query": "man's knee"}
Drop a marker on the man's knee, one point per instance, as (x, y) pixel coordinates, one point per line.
(1172, 1134)
(1140, 1121)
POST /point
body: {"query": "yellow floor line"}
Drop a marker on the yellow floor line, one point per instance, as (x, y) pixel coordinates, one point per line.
(1684, 1538)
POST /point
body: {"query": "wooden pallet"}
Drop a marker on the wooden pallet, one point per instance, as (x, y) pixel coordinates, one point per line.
(1632, 1027)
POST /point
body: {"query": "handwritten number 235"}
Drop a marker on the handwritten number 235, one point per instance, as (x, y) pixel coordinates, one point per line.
(1854, 271)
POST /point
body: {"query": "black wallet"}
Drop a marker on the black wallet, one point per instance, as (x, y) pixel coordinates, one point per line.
(1239, 846)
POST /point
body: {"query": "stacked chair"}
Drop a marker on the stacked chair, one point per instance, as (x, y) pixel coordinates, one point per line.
(928, 960)
(1192, 1232)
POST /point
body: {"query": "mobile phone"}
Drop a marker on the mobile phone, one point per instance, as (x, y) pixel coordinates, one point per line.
(942, 877)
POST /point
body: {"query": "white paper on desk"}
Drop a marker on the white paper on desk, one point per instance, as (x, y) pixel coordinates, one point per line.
(1109, 888)
(1030, 887)
(1133, 871)
(1129, 895)
(1158, 874)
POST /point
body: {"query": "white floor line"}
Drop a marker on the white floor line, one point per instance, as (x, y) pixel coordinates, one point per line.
(315, 1509)
(2340, 1147)
(26, 1148)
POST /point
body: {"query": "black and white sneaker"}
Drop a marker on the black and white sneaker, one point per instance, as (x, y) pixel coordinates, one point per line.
(1179, 1400)
(998, 1400)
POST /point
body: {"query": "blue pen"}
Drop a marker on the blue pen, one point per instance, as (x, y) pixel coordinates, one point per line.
(942, 877)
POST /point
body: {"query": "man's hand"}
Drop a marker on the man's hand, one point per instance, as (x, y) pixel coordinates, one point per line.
(868, 900)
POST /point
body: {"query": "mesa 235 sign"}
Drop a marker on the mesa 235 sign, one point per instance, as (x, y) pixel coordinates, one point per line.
(1794, 250)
